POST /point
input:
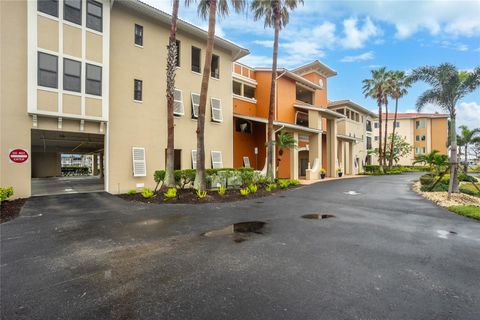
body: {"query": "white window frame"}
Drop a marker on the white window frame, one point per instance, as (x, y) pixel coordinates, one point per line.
(219, 109)
(246, 162)
(194, 106)
(180, 102)
(194, 159)
(135, 161)
(217, 164)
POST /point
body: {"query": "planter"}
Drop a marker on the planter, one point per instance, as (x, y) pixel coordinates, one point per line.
(322, 175)
(340, 174)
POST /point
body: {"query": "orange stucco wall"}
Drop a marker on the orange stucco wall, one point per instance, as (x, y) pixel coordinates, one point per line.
(262, 93)
(284, 165)
(439, 132)
(244, 107)
(320, 95)
(244, 146)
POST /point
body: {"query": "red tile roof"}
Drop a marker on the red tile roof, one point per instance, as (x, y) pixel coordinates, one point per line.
(414, 115)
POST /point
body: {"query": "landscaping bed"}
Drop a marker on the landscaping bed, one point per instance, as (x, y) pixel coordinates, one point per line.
(188, 196)
(11, 209)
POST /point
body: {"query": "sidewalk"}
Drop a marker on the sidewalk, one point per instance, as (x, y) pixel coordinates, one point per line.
(309, 182)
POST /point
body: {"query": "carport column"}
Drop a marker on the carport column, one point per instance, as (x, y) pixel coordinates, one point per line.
(101, 164)
(95, 165)
(294, 159)
(341, 156)
(350, 157)
(315, 140)
(331, 147)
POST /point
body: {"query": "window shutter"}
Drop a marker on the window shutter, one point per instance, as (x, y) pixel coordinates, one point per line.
(139, 165)
(217, 160)
(195, 104)
(178, 103)
(194, 159)
(216, 110)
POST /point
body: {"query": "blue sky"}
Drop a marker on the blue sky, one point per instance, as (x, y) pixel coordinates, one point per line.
(356, 36)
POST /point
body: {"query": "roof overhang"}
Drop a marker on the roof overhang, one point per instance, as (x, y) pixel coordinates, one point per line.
(316, 66)
(282, 72)
(278, 123)
(161, 16)
(353, 105)
(326, 113)
(349, 138)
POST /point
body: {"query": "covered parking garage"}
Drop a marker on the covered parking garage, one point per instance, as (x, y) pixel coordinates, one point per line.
(66, 162)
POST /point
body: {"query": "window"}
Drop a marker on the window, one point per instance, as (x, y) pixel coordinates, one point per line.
(424, 124)
(178, 109)
(369, 125)
(94, 15)
(72, 11)
(376, 138)
(424, 150)
(248, 91)
(217, 162)
(137, 90)
(196, 59)
(417, 138)
(139, 35)
(397, 124)
(71, 75)
(139, 165)
(301, 118)
(93, 80)
(304, 95)
(423, 137)
(215, 72)
(369, 143)
(177, 159)
(47, 70)
(194, 159)
(417, 150)
(237, 88)
(195, 104)
(48, 6)
(177, 60)
(242, 125)
(417, 124)
(216, 110)
(376, 125)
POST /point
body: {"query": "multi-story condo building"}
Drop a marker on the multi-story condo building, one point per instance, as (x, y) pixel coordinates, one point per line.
(300, 109)
(424, 132)
(88, 77)
(354, 134)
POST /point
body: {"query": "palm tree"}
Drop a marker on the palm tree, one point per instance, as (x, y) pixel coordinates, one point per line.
(398, 84)
(171, 67)
(448, 86)
(284, 141)
(375, 88)
(275, 13)
(210, 9)
(465, 138)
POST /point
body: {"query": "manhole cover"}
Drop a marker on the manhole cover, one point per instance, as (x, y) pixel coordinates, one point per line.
(317, 216)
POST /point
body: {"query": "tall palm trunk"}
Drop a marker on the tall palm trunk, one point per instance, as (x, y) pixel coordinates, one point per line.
(392, 144)
(271, 109)
(380, 158)
(453, 185)
(171, 66)
(386, 134)
(199, 183)
(465, 167)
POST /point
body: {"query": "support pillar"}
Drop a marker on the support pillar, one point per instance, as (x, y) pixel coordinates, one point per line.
(101, 165)
(331, 147)
(95, 165)
(350, 158)
(294, 159)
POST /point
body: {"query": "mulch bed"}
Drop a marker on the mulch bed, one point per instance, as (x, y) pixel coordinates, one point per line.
(188, 196)
(11, 209)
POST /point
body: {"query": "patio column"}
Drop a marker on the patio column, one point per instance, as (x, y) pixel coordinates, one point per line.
(341, 156)
(101, 165)
(350, 157)
(95, 165)
(294, 159)
(331, 147)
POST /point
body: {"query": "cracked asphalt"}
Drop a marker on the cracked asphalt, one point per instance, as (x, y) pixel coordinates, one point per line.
(387, 254)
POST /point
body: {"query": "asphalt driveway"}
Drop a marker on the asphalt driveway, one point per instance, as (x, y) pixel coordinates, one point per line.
(387, 254)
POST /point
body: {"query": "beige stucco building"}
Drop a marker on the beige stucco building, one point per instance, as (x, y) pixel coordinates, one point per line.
(424, 132)
(89, 77)
(354, 135)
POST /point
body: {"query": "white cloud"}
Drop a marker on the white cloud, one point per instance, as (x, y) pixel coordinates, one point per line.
(468, 113)
(355, 37)
(257, 61)
(264, 43)
(361, 57)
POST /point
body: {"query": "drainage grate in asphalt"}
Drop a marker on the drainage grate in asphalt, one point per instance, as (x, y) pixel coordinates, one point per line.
(317, 216)
(240, 229)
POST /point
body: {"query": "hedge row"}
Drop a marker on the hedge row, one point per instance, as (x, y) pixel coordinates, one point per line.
(376, 168)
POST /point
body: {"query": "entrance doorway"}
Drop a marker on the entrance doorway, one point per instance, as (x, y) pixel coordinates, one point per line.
(66, 162)
(302, 163)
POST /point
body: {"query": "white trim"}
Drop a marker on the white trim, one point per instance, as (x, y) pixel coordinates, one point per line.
(251, 100)
(46, 15)
(193, 104)
(194, 159)
(60, 58)
(179, 101)
(219, 109)
(65, 116)
(137, 45)
(216, 164)
(106, 156)
(242, 78)
(141, 161)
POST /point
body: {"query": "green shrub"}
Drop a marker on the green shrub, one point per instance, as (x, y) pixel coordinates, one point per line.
(466, 178)
(258, 178)
(271, 186)
(201, 194)
(440, 187)
(5, 193)
(171, 193)
(252, 188)
(293, 182)
(247, 177)
(283, 183)
(132, 192)
(470, 189)
(184, 177)
(244, 192)
(426, 179)
(221, 190)
(147, 193)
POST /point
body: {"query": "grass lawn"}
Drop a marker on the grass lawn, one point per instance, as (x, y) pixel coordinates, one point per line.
(467, 211)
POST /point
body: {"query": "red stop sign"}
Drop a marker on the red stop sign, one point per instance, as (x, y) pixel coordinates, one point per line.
(18, 155)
